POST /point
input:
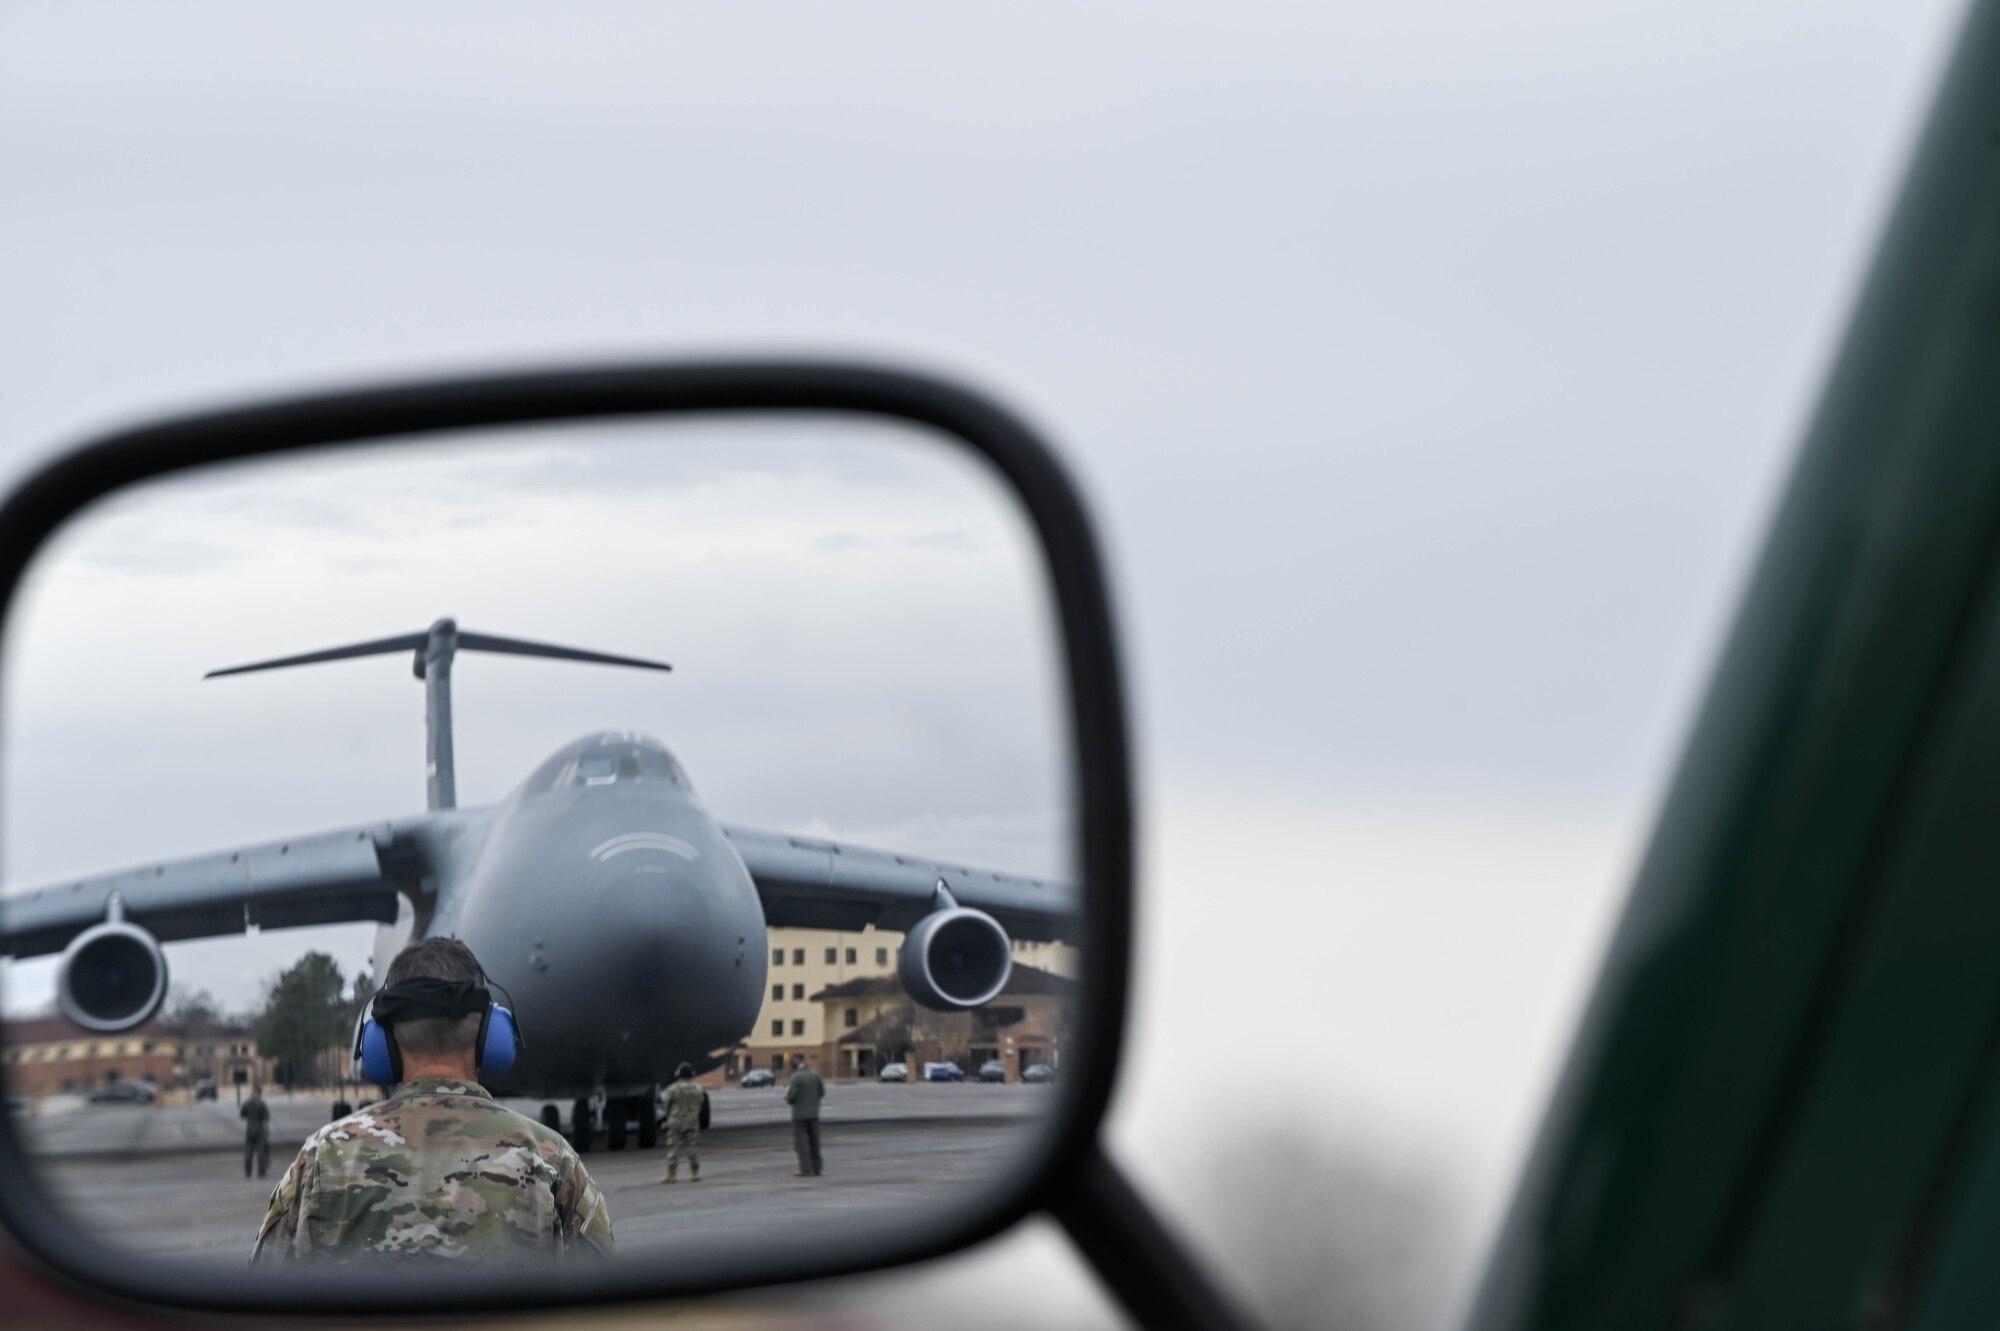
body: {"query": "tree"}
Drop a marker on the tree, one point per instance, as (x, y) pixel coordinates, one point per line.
(364, 989)
(192, 1018)
(306, 1013)
(190, 1013)
(906, 1033)
(895, 1031)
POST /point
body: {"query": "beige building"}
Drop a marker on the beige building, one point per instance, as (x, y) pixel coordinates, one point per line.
(805, 961)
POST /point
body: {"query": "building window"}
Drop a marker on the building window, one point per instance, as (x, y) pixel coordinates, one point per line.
(777, 992)
(830, 955)
(850, 956)
(777, 956)
(881, 956)
(777, 1062)
(777, 1028)
(798, 1027)
(853, 1017)
(798, 956)
(799, 991)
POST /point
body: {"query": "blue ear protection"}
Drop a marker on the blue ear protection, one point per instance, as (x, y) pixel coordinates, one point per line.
(380, 1063)
(498, 1044)
(502, 1042)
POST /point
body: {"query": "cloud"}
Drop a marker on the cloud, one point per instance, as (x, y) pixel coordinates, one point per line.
(959, 539)
(868, 693)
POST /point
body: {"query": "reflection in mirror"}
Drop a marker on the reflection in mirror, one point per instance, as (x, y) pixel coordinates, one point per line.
(777, 947)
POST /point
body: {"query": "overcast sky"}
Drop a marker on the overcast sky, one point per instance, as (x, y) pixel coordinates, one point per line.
(855, 611)
(1432, 368)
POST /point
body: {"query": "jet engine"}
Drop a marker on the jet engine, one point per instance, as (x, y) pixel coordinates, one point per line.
(956, 957)
(113, 976)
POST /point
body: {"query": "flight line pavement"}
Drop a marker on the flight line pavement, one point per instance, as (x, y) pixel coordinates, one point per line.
(170, 1180)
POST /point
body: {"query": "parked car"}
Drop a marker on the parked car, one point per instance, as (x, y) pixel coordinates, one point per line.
(893, 1072)
(992, 1070)
(123, 1093)
(17, 1104)
(204, 1089)
(943, 1072)
(758, 1077)
(1038, 1072)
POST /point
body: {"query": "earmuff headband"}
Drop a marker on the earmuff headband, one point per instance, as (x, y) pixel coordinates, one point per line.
(416, 1000)
(495, 1048)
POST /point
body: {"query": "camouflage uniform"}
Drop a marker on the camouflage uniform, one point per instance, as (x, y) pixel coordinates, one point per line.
(438, 1170)
(256, 1116)
(683, 1126)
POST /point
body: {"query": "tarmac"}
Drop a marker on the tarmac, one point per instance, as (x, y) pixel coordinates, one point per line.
(168, 1180)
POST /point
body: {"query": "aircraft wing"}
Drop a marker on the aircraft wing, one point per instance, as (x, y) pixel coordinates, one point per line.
(326, 878)
(812, 883)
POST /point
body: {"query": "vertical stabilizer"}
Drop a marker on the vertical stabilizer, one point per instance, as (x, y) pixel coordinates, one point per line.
(433, 666)
(434, 649)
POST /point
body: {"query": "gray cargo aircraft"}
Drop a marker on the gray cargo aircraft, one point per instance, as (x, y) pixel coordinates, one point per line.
(624, 919)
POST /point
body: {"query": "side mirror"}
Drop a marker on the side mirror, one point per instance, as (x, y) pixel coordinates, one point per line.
(632, 924)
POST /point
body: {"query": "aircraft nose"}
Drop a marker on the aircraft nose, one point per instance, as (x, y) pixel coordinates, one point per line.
(650, 936)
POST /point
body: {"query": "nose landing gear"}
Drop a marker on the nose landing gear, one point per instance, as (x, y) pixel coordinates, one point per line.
(614, 1123)
(649, 1118)
(621, 1112)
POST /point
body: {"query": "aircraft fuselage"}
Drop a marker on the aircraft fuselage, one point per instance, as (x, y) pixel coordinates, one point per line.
(609, 904)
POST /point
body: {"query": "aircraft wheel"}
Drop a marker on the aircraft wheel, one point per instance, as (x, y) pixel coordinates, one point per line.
(552, 1117)
(649, 1119)
(582, 1125)
(616, 1112)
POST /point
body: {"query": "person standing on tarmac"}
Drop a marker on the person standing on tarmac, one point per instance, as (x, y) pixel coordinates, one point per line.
(439, 1171)
(803, 1093)
(685, 1102)
(256, 1116)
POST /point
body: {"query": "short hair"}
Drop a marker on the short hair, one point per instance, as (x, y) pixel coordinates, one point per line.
(436, 959)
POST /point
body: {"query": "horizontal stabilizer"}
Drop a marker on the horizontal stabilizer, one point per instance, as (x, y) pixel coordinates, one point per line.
(487, 642)
(431, 654)
(380, 647)
(461, 641)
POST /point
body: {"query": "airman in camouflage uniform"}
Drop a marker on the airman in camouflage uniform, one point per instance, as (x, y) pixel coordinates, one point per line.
(683, 1123)
(438, 1170)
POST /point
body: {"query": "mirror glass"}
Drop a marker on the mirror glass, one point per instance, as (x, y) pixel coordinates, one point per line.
(821, 866)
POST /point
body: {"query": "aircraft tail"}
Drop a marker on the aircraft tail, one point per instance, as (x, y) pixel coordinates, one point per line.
(433, 651)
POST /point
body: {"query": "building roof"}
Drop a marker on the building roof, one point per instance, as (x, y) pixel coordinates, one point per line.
(1013, 1022)
(1026, 981)
(866, 1033)
(61, 1030)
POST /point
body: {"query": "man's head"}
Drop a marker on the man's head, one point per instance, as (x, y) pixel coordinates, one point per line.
(427, 1039)
(683, 1072)
(798, 1061)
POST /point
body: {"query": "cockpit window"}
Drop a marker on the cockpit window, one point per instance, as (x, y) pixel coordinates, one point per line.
(636, 765)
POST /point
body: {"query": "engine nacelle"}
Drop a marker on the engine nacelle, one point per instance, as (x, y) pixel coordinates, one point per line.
(113, 977)
(955, 958)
